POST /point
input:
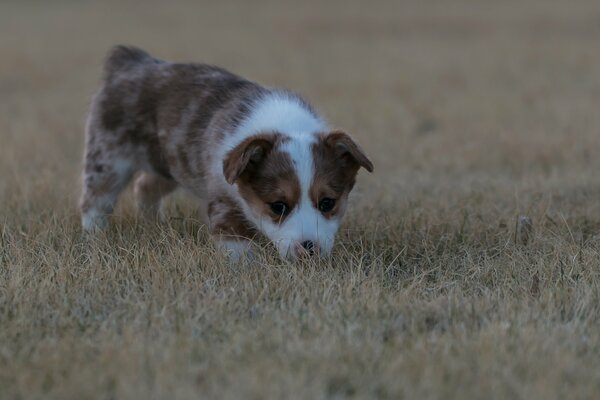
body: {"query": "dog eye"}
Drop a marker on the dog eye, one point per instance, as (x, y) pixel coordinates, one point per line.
(280, 208)
(326, 204)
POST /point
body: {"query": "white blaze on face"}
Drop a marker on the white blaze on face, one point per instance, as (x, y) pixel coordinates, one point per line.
(305, 222)
(288, 116)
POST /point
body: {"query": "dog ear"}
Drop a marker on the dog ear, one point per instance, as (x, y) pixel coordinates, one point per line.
(245, 155)
(347, 148)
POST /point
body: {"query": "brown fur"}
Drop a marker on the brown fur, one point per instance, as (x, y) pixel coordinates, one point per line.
(337, 159)
(264, 174)
(149, 190)
(227, 220)
(247, 155)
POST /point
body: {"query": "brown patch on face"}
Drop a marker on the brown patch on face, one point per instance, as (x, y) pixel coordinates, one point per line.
(264, 174)
(337, 159)
(247, 155)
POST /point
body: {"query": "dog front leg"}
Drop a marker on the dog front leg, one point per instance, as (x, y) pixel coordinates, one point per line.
(230, 229)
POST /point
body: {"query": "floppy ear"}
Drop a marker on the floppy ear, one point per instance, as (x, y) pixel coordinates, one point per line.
(245, 155)
(347, 148)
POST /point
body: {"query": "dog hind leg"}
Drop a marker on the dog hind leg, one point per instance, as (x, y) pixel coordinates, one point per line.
(149, 190)
(105, 176)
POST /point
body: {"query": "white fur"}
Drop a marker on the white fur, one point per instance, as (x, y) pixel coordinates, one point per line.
(94, 220)
(288, 116)
(283, 113)
(122, 167)
(278, 112)
(305, 222)
(96, 217)
(236, 250)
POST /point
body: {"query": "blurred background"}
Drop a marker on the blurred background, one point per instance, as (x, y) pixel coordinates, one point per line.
(441, 94)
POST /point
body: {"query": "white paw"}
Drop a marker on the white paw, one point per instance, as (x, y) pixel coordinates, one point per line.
(236, 250)
(92, 220)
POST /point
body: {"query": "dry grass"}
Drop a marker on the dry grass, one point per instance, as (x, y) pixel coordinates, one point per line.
(474, 114)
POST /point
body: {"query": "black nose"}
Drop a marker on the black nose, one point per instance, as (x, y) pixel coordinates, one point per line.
(309, 246)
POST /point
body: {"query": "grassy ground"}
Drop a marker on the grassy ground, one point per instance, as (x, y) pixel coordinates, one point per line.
(474, 113)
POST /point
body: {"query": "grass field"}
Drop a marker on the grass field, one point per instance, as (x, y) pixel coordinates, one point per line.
(474, 113)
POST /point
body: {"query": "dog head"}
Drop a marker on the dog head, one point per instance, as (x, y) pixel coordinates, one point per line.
(295, 187)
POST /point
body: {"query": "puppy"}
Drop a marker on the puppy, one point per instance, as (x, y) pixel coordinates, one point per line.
(262, 159)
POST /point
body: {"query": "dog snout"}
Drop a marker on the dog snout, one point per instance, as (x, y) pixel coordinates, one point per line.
(307, 248)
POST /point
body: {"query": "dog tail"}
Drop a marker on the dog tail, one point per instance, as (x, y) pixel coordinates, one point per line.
(123, 58)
